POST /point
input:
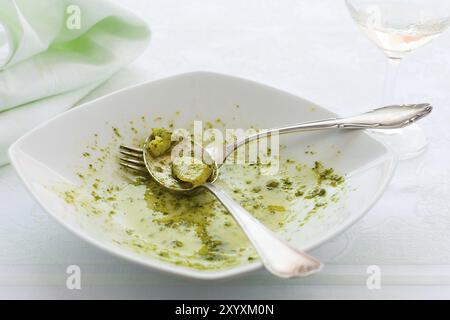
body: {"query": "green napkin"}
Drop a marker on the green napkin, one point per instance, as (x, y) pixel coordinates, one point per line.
(54, 52)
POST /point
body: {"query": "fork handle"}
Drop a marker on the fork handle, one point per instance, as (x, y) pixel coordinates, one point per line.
(278, 256)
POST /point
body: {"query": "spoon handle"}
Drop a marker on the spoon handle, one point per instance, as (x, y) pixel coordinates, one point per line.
(279, 257)
(389, 117)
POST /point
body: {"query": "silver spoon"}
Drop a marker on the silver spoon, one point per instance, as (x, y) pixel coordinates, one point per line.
(278, 256)
(389, 117)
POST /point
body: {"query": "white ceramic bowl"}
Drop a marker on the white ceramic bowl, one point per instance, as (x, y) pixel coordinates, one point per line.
(51, 153)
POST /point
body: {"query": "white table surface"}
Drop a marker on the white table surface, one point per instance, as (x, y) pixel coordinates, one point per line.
(312, 49)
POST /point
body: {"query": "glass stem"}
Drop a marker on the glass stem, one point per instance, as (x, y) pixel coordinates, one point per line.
(392, 67)
(408, 142)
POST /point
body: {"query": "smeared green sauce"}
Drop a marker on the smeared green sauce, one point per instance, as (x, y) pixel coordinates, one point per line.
(195, 231)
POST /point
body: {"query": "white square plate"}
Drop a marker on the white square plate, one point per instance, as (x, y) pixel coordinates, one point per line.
(51, 153)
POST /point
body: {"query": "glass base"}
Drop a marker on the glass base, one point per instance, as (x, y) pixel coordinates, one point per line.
(407, 143)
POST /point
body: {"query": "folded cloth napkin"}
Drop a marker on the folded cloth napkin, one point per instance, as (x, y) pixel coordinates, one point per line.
(54, 52)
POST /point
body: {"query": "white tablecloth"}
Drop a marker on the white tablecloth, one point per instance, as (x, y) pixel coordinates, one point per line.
(312, 49)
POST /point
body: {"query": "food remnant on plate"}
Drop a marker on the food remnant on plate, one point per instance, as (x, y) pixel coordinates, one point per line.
(183, 168)
(160, 142)
(190, 169)
(195, 231)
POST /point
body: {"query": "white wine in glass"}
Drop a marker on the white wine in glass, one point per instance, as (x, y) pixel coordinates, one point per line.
(398, 27)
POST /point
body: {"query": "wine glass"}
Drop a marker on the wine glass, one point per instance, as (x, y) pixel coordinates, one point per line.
(398, 27)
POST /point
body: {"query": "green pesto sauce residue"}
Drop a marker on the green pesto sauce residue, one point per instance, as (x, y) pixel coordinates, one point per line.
(195, 231)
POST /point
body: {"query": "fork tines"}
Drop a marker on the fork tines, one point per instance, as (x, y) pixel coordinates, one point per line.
(132, 158)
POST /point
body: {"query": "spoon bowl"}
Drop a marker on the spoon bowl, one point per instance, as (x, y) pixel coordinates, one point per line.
(161, 171)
